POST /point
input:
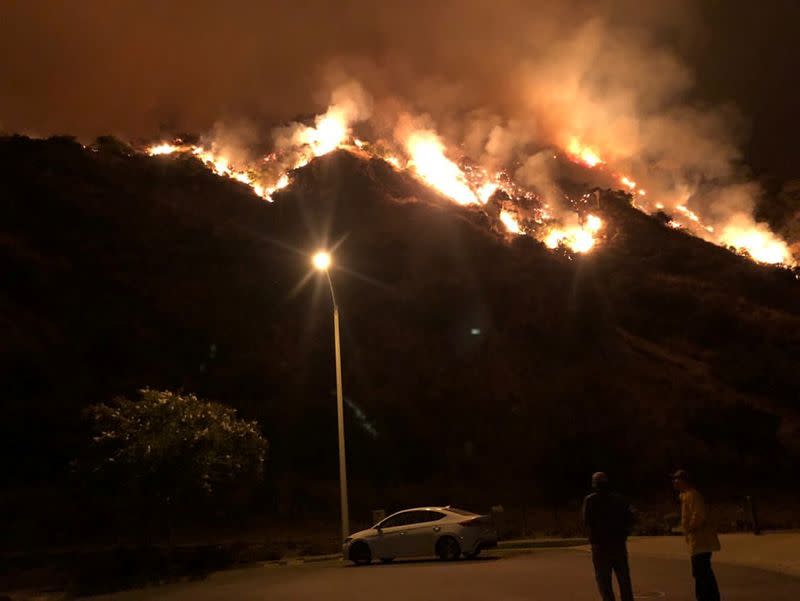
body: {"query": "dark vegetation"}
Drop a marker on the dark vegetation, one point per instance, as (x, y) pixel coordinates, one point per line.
(122, 271)
(157, 456)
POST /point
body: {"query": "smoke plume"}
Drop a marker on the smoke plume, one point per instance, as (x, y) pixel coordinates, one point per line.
(502, 82)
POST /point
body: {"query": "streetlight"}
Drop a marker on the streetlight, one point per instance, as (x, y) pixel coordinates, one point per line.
(322, 262)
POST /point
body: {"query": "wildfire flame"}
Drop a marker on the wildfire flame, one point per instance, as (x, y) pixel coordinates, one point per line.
(751, 239)
(689, 213)
(486, 190)
(331, 131)
(162, 149)
(429, 162)
(427, 159)
(393, 161)
(583, 154)
(756, 241)
(510, 222)
(593, 223)
(578, 238)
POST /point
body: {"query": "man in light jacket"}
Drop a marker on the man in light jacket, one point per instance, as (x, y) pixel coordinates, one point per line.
(701, 536)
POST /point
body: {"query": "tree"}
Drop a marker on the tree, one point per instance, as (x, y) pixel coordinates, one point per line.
(166, 449)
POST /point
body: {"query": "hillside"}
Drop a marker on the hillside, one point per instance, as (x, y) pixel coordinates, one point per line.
(465, 352)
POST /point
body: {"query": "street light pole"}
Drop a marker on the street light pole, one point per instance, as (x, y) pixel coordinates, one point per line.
(340, 416)
(322, 262)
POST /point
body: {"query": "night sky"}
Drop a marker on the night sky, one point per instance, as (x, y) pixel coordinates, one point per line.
(134, 68)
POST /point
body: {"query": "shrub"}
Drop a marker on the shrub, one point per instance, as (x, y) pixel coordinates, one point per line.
(165, 450)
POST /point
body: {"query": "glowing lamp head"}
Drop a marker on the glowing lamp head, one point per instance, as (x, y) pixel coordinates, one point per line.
(321, 260)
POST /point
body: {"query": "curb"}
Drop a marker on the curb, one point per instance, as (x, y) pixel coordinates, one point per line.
(543, 544)
(316, 558)
(297, 561)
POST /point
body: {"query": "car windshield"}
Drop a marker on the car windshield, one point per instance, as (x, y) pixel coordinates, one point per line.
(396, 519)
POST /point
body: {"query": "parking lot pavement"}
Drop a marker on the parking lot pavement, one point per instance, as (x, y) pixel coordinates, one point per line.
(774, 551)
(543, 575)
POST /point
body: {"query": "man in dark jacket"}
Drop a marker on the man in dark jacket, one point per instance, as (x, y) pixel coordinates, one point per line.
(608, 519)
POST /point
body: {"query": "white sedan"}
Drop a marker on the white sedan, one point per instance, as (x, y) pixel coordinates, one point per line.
(442, 531)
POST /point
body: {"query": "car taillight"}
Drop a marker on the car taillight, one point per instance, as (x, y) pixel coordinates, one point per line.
(475, 522)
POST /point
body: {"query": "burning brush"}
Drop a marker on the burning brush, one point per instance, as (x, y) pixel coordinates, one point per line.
(426, 158)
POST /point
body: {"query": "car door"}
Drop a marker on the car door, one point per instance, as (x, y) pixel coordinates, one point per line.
(422, 532)
(391, 540)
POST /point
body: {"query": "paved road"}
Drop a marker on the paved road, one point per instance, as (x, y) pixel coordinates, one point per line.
(547, 575)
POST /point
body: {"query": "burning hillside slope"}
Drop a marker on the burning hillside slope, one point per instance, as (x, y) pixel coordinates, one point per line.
(555, 218)
(156, 272)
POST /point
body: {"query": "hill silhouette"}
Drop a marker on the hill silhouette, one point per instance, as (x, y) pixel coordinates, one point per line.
(478, 365)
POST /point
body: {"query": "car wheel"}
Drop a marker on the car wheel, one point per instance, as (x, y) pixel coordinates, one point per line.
(387, 559)
(447, 549)
(360, 554)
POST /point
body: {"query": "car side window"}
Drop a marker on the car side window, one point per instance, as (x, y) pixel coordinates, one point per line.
(411, 517)
(422, 517)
